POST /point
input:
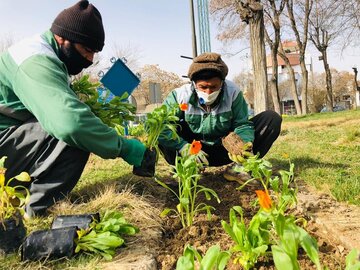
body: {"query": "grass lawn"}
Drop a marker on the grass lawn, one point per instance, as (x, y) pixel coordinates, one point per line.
(324, 148)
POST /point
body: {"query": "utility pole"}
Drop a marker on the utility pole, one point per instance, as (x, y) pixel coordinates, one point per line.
(356, 83)
(203, 23)
(357, 88)
(194, 46)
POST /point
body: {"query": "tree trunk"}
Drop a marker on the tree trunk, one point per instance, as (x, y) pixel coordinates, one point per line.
(302, 46)
(274, 82)
(259, 62)
(329, 96)
(292, 79)
(294, 89)
(304, 85)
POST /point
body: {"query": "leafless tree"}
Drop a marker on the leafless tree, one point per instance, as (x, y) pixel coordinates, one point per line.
(300, 26)
(328, 24)
(251, 12)
(153, 74)
(6, 42)
(317, 93)
(352, 16)
(292, 79)
(273, 12)
(245, 82)
(129, 53)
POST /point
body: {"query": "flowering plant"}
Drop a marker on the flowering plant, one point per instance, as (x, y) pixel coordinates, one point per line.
(12, 199)
(287, 235)
(183, 106)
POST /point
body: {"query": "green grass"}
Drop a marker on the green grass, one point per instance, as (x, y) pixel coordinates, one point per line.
(325, 150)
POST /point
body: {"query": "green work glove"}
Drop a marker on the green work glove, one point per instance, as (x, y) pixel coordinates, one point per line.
(132, 151)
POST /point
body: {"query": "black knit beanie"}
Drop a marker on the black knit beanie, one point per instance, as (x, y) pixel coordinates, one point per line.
(81, 23)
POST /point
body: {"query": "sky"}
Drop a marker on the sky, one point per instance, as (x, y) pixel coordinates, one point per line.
(158, 31)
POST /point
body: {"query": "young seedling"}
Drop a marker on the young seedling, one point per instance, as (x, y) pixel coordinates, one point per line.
(214, 258)
(12, 198)
(251, 241)
(187, 174)
(113, 113)
(160, 119)
(105, 236)
(12, 202)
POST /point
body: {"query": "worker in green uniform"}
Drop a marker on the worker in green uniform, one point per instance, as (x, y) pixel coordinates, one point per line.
(45, 129)
(215, 107)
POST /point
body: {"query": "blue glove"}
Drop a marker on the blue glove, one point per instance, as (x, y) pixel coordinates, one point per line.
(132, 151)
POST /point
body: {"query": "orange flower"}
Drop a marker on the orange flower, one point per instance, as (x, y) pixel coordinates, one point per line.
(195, 147)
(264, 199)
(183, 106)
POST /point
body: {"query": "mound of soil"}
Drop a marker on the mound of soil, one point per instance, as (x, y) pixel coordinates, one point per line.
(205, 233)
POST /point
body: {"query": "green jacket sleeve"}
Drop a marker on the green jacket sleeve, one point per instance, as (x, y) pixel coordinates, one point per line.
(242, 126)
(165, 136)
(41, 84)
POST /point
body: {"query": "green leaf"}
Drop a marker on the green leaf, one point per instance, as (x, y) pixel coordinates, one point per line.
(23, 177)
(184, 263)
(128, 229)
(282, 260)
(210, 258)
(2, 161)
(310, 246)
(353, 260)
(223, 259)
(184, 201)
(165, 212)
(228, 230)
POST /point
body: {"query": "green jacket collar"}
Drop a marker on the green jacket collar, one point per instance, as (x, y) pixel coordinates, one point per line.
(50, 39)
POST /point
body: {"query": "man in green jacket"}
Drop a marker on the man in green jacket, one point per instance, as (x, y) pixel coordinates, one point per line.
(213, 107)
(45, 129)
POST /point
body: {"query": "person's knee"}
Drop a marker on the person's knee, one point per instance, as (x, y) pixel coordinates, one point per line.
(274, 120)
(79, 156)
(273, 116)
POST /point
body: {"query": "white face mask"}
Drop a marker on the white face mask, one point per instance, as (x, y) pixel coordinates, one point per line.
(207, 99)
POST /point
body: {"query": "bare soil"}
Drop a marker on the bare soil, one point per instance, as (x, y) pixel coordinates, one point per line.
(317, 209)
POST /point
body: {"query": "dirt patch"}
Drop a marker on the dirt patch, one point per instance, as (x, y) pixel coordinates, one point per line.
(327, 222)
(338, 222)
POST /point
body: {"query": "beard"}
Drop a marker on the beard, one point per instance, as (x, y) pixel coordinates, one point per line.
(72, 59)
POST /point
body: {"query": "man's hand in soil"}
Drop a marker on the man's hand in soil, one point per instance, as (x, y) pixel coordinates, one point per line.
(242, 154)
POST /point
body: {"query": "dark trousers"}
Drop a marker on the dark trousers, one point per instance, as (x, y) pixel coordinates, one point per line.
(267, 129)
(54, 166)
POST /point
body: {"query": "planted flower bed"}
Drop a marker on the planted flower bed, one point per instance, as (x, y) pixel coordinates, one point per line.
(251, 228)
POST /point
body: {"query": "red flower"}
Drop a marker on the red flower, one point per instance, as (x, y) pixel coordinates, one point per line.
(264, 199)
(183, 107)
(195, 147)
